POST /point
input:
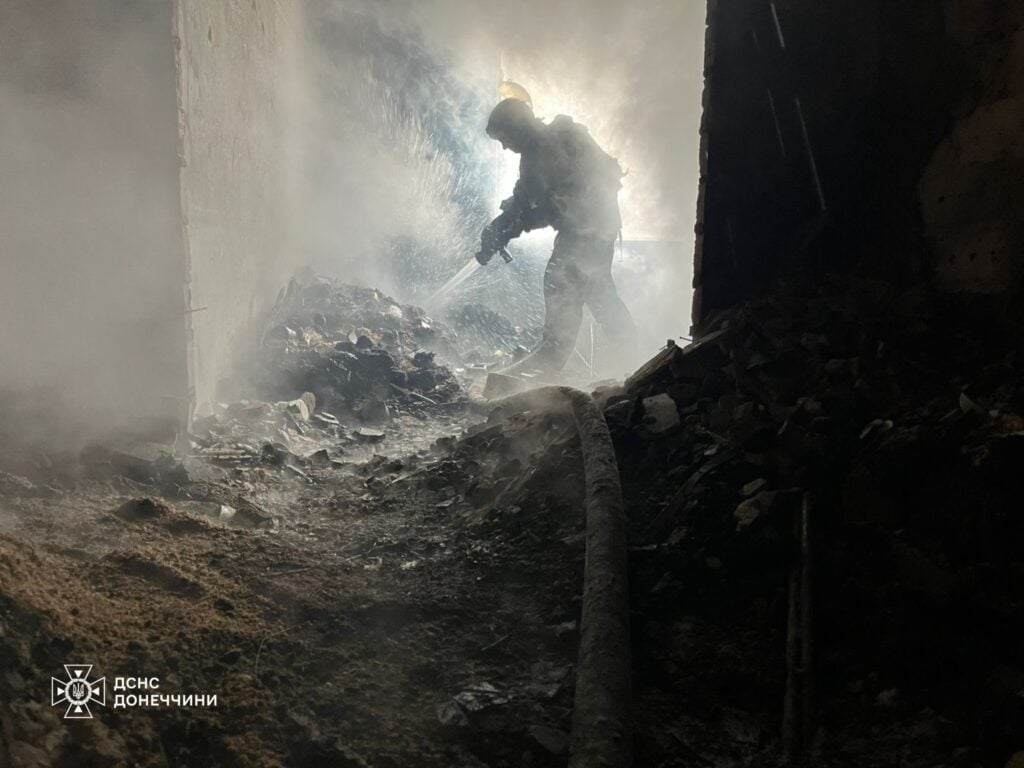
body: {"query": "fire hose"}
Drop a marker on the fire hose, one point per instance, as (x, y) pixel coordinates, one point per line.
(600, 736)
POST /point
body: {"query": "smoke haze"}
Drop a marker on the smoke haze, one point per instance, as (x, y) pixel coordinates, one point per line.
(105, 218)
(90, 299)
(403, 144)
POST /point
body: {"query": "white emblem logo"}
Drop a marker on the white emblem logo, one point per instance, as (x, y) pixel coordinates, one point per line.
(78, 691)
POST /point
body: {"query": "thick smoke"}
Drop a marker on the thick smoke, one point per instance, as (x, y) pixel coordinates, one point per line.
(406, 175)
(398, 173)
(91, 331)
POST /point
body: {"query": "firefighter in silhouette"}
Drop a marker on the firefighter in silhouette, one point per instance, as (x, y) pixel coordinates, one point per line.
(566, 181)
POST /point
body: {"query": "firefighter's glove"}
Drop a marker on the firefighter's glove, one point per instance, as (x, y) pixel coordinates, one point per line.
(492, 240)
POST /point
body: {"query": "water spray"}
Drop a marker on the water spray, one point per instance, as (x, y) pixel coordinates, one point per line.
(440, 297)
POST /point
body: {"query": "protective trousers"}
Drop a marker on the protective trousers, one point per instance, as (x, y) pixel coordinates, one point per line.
(579, 273)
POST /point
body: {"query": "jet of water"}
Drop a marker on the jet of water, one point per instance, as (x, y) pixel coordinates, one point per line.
(442, 294)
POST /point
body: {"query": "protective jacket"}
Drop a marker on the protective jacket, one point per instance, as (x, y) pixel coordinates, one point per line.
(566, 181)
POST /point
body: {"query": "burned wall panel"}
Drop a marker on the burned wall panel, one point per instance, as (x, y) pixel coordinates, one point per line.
(890, 144)
(239, 93)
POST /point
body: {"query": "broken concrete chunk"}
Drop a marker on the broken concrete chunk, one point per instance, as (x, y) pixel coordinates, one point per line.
(320, 458)
(754, 509)
(326, 418)
(480, 696)
(660, 414)
(302, 407)
(368, 435)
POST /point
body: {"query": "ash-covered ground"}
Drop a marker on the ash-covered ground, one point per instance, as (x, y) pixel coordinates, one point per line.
(365, 572)
(361, 572)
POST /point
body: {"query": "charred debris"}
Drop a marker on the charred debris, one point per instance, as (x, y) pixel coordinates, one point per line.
(824, 525)
(826, 532)
(342, 368)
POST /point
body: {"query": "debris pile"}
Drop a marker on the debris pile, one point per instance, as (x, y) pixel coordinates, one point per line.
(341, 370)
(254, 435)
(357, 350)
(904, 431)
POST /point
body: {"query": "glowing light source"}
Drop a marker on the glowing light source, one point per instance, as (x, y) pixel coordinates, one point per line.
(509, 89)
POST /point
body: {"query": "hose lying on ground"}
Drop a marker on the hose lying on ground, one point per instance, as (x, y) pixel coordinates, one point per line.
(600, 723)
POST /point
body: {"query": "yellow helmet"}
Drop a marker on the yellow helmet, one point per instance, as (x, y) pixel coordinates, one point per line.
(509, 89)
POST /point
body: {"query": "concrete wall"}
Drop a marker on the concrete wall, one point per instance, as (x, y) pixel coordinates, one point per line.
(240, 66)
(881, 135)
(142, 143)
(91, 275)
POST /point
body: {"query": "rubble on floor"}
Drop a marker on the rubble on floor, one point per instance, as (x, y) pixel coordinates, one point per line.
(906, 430)
(380, 592)
(342, 372)
(420, 610)
(346, 343)
(353, 348)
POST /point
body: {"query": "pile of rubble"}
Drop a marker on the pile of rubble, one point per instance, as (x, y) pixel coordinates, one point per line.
(903, 432)
(848, 394)
(346, 342)
(340, 367)
(350, 345)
